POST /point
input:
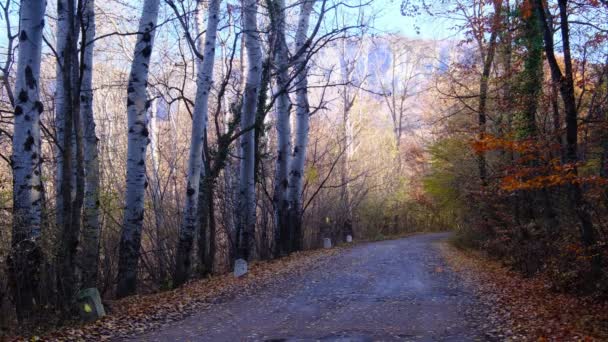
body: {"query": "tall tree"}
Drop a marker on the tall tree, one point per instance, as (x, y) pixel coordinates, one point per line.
(62, 104)
(91, 228)
(246, 211)
(66, 115)
(351, 51)
(283, 127)
(298, 158)
(72, 171)
(137, 106)
(488, 60)
(565, 81)
(199, 128)
(26, 254)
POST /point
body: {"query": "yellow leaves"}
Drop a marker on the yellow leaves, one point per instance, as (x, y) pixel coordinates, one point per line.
(312, 174)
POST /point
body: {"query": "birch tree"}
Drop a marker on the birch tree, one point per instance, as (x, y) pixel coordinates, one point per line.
(246, 214)
(351, 77)
(283, 127)
(90, 231)
(199, 127)
(64, 119)
(296, 167)
(61, 105)
(27, 188)
(137, 106)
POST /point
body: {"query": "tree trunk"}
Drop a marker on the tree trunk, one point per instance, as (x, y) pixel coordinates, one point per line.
(72, 168)
(566, 86)
(260, 150)
(530, 91)
(25, 258)
(298, 158)
(62, 104)
(90, 231)
(247, 202)
(483, 90)
(203, 225)
(283, 128)
(157, 196)
(137, 105)
(199, 126)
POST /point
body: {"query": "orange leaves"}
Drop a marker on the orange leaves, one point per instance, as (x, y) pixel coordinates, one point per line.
(491, 143)
(526, 9)
(534, 166)
(551, 175)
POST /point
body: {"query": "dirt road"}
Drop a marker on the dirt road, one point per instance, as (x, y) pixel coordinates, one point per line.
(399, 290)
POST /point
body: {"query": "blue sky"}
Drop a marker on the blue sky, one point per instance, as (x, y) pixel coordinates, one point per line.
(389, 19)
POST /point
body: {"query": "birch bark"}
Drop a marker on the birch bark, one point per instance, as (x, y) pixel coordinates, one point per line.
(296, 167)
(90, 232)
(27, 188)
(66, 114)
(283, 128)
(247, 201)
(199, 126)
(137, 105)
(61, 103)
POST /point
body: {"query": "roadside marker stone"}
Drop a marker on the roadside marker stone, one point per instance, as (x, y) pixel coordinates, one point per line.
(89, 305)
(349, 238)
(240, 268)
(327, 243)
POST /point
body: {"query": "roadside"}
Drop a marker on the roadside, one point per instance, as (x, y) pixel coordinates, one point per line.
(141, 313)
(525, 308)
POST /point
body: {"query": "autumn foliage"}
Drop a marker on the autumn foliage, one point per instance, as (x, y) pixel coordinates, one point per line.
(520, 166)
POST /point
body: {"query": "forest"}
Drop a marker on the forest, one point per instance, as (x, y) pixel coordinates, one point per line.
(148, 144)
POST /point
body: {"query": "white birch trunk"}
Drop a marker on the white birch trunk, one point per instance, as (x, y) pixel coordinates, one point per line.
(156, 194)
(283, 127)
(296, 167)
(247, 202)
(90, 231)
(347, 70)
(27, 188)
(137, 106)
(61, 103)
(229, 171)
(199, 126)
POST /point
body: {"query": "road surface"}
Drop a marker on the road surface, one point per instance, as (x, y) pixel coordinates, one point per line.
(399, 290)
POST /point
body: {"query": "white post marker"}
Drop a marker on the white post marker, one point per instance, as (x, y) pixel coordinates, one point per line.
(327, 243)
(349, 238)
(240, 268)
